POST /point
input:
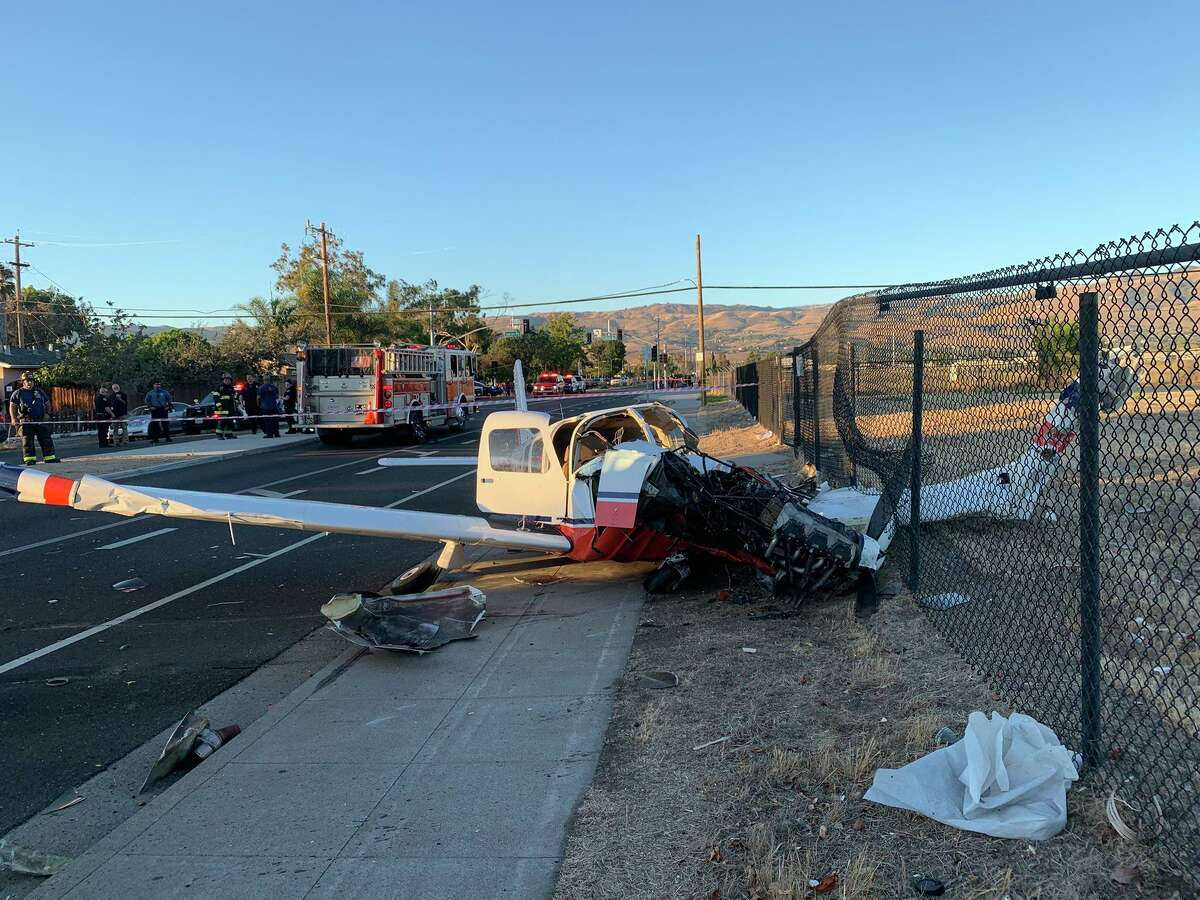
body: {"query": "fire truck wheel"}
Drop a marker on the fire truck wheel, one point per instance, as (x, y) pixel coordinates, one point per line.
(417, 428)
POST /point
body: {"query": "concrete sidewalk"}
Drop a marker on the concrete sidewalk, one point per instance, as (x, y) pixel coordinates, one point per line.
(453, 774)
(158, 457)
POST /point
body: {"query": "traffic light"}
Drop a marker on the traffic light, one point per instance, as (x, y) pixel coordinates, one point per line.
(495, 368)
(525, 326)
(654, 353)
(587, 338)
(620, 335)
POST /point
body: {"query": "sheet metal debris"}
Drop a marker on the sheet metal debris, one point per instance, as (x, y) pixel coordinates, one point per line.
(27, 861)
(129, 585)
(657, 681)
(413, 622)
(191, 741)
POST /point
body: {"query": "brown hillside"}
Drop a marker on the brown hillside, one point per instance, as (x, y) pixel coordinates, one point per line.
(726, 328)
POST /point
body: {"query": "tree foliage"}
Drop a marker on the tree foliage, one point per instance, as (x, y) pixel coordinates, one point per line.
(608, 357)
(1056, 345)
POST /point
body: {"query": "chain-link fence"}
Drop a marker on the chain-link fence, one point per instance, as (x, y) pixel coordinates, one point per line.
(1058, 464)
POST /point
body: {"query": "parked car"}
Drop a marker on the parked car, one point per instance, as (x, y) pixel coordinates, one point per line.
(549, 383)
(199, 415)
(139, 420)
(488, 390)
(574, 384)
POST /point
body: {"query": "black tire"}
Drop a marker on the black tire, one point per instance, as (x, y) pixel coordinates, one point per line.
(459, 422)
(417, 429)
(335, 437)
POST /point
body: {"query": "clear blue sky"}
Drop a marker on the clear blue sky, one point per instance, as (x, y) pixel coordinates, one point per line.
(545, 150)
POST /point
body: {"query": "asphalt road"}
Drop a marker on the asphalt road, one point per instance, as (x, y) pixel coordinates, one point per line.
(230, 607)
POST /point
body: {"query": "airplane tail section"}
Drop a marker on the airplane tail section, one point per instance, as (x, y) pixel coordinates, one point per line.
(519, 387)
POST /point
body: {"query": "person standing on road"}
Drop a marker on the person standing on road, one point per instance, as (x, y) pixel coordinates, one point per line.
(159, 401)
(250, 402)
(289, 406)
(120, 410)
(27, 409)
(225, 407)
(268, 404)
(103, 411)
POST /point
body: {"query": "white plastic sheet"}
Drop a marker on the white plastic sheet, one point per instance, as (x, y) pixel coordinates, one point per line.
(1007, 777)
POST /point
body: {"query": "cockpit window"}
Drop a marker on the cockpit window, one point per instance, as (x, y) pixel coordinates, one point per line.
(517, 450)
(669, 431)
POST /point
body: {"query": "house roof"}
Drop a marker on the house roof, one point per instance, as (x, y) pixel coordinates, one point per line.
(27, 357)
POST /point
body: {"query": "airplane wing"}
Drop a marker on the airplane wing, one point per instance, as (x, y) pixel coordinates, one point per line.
(98, 495)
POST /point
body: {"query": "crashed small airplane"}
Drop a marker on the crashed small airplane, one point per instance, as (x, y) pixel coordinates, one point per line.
(625, 484)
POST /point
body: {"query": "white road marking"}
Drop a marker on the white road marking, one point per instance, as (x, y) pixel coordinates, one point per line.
(134, 540)
(249, 490)
(133, 614)
(73, 534)
(371, 471)
(274, 495)
(440, 484)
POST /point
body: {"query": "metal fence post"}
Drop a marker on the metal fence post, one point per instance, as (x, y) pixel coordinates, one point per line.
(914, 505)
(795, 402)
(1089, 524)
(816, 409)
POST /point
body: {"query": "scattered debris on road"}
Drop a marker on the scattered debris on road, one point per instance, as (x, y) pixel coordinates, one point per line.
(129, 585)
(27, 861)
(72, 802)
(412, 622)
(57, 682)
(192, 742)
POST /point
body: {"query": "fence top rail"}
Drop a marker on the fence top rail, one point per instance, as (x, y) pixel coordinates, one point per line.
(1099, 262)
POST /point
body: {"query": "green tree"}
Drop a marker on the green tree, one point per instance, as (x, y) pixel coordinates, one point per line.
(1056, 345)
(353, 291)
(608, 357)
(177, 357)
(406, 308)
(103, 354)
(565, 341)
(52, 317)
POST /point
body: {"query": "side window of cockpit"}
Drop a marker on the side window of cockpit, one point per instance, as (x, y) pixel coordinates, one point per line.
(517, 450)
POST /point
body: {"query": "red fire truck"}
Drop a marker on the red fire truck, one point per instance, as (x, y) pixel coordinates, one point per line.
(350, 389)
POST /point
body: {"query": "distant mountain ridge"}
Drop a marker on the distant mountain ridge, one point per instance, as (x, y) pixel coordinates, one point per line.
(728, 328)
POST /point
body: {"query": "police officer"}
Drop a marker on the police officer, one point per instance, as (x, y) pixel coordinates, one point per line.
(268, 405)
(159, 400)
(226, 407)
(28, 408)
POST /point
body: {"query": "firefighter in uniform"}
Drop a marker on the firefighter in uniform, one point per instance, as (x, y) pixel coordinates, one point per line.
(226, 407)
(27, 409)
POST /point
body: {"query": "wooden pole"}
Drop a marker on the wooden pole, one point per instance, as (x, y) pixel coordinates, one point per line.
(701, 374)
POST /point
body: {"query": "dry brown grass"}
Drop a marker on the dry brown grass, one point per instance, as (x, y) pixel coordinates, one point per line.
(780, 804)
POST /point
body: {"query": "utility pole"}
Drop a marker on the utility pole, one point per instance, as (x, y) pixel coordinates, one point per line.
(432, 336)
(325, 235)
(17, 243)
(658, 345)
(700, 317)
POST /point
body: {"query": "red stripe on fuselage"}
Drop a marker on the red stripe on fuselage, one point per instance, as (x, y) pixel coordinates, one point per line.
(58, 491)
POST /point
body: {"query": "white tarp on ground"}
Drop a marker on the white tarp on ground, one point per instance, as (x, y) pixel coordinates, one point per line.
(1007, 777)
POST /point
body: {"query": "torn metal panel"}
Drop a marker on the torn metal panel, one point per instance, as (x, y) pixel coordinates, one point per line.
(413, 622)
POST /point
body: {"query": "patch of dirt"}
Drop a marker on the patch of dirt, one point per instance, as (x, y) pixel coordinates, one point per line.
(794, 732)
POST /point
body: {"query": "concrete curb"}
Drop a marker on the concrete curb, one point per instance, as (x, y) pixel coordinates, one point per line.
(121, 836)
